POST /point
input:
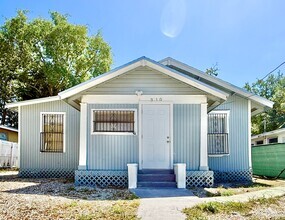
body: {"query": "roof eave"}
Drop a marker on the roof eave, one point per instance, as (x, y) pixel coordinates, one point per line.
(235, 89)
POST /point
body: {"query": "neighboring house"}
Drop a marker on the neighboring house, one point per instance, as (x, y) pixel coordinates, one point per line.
(271, 137)
(154, 114)
(8, 134)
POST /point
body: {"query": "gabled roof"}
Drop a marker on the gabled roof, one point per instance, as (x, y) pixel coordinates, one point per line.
(32, 101)
(143, 61)
(214, 80)
(8, 128)
(182, 72)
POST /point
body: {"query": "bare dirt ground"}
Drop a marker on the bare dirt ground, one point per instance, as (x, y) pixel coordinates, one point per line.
(59, 199)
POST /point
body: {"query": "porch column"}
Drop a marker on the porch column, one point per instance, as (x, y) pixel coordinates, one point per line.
(204, 138)
(83, 134)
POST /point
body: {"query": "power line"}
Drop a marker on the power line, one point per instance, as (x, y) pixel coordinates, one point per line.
(272, 71)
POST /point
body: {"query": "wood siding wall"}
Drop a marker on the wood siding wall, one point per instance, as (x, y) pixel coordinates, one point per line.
(150, 81)
(238, 158)
(113, 152)
(110, 152)
(186, 132)
(30, 156)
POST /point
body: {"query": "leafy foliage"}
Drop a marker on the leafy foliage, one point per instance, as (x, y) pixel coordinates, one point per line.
(213, 71)
(273, 89)
(41, 57)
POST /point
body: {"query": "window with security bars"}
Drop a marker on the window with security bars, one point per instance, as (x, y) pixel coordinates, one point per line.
(114, 121)
(218, 133)
(52, 132)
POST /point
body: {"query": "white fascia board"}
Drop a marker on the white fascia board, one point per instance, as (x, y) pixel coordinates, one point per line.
(101, 78)
(278, 131)
(8, 128)
(187, 79)
(229, 86)
(32, 101)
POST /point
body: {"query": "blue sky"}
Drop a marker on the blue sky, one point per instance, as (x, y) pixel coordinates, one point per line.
(246, 38)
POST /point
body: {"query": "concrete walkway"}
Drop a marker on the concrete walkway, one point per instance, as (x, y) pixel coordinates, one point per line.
(171, 207)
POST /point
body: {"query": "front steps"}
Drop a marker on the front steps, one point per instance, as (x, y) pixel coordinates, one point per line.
(156, 178)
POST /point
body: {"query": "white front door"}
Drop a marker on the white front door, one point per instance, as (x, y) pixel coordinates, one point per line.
(156, 136)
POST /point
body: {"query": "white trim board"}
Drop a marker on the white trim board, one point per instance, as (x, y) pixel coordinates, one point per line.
(8, 128)
(116, 133)
(134, 99)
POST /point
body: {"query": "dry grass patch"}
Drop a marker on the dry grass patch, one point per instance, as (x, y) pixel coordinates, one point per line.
(59, 199)
(226, 210)
(91, 210)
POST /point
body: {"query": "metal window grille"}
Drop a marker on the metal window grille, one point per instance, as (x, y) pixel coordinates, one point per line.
(52, 133)
(114, 121)
(218, 134)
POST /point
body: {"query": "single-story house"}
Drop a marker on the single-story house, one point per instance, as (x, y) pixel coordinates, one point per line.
(138, 123)
(8, 134)
(270, 137)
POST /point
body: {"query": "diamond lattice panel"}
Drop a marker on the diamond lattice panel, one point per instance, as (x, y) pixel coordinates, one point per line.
(101, 178)
(199, 178)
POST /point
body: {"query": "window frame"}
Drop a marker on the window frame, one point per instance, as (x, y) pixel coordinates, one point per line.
(257, 143)
(272, 138)
(115, 133)
(227, 131)
(64, 130)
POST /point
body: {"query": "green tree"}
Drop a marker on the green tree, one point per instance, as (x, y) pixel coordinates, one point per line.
(42, 57)
(273, 89)
(213, 71)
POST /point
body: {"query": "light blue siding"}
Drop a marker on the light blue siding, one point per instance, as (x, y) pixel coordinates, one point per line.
(186, 131)
(238, 137)
(110, 152)
(150, 81)
(30, 156)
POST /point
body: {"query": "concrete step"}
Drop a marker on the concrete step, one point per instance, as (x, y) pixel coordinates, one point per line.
(156, 178)
(157, 184)
(156, 171)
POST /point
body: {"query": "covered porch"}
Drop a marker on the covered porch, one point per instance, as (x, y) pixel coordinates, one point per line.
(146, 132)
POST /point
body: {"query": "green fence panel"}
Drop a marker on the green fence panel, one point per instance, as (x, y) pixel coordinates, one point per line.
(268, 160)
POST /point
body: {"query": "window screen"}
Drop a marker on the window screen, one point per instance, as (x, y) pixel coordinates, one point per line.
(114, 121)
(52, 132)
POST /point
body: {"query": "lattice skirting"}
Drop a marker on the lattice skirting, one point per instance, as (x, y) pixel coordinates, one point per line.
(199, 178)
(101, 178)
(46, 173)
(233, 176)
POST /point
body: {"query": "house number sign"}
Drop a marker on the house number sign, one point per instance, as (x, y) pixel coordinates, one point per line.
(156, 99)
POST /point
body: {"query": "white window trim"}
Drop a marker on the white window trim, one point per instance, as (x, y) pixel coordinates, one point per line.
(227, 131)
(115, 133)
(64, 128)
